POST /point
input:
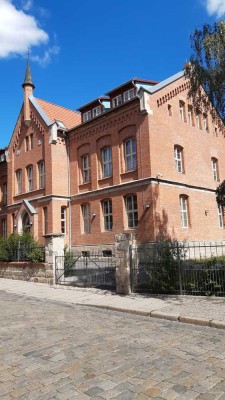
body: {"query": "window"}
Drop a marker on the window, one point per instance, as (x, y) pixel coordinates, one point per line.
(184, 211)
(86, 218)
(27, 143)
(45, 220)
(170, 110)
(86, 116)
(128, 95)
(41, 170)
(107, 214)
(30, 178)
(31, 141)
(132, 212)
(86, 169)
(96, 111)
(182, 111)
(4, 228)
(5, 193)
(19, 181)
(178, 157)
(63, 219)
(220, 216)
(205, 122)
(215, 169)
(117, 101)
(130, 154)
(190, 115)
(197, 120)
(107, 162)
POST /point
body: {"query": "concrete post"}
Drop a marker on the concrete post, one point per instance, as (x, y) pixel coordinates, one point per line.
(123, 254)
(54, 246)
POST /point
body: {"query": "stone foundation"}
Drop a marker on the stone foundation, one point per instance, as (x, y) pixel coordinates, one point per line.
(26, 271)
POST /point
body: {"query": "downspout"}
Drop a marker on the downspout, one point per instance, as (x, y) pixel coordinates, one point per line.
(69, 194)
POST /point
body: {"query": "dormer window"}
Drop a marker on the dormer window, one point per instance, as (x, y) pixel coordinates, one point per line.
(86, 116)
(96, 111)
(128, 95)
(117, 101)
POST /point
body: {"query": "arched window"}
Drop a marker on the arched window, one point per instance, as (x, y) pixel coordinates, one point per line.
(41, 170)
(106, 162)
(107, 214)
(178, 158)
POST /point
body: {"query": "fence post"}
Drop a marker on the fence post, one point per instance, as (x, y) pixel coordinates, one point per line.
(179, 269)
(54, 246)
(123, 254)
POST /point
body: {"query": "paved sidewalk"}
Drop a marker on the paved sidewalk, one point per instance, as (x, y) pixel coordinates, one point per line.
(205, 311)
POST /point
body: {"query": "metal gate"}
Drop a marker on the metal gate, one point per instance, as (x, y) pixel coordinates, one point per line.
(86, 270)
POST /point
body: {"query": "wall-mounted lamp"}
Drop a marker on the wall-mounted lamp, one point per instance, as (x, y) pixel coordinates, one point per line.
(206, 212)
(15, 226)
(147, 206)
(31, 223)
(93, 215)
(159, 175)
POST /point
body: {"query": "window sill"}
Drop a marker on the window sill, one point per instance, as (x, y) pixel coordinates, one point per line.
(129, 175)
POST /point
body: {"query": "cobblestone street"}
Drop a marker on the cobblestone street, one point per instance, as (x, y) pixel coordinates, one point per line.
(53, 350)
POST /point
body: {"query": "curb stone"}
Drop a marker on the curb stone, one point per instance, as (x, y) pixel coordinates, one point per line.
(161, 315)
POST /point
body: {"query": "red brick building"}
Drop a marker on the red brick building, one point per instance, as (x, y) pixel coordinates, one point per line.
(139, 159)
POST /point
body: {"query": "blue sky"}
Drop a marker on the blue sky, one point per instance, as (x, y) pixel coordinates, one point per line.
(82, 49)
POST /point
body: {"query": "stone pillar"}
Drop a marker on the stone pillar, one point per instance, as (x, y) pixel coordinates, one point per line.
(54, 246)
(123, 254)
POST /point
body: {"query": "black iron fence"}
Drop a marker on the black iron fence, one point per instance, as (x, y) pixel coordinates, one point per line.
(86, 269)
(196, 268)
(22, 252)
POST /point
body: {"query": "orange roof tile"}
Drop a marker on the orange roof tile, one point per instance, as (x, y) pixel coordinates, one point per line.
(70, 118)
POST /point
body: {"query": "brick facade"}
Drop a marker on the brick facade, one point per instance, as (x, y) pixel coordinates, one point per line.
(148, 165)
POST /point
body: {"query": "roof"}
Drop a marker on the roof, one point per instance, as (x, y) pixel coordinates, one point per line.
(94, 101)
(164, 83)
(134, 80)
(28, 78)
(54, 112)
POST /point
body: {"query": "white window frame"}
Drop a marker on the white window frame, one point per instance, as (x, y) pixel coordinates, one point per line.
(19, 181)
(107, 162)
(128, 95)
(107, 214)
(86, 169)
(63, 219)
(190, 115)
(4, 228)
(178, 158)
(30, 177)
(197, 120)
(96, 111)
(184, 211)
(86, 116)
(130, 154)
(86, 214)
(182, 111)
(220, 216)
(132, 211)
(41, 170)
(117, 101)
(215, 174)
(205, 122)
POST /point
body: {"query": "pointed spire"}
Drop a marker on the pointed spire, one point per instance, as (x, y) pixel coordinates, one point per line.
(28, 78)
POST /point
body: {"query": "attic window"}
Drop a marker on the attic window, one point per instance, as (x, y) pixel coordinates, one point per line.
(96, 111)
(128, 95)
(117, 101)
(86, 116)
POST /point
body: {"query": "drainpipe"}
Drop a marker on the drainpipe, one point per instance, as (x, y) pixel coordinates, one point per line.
(68, 180)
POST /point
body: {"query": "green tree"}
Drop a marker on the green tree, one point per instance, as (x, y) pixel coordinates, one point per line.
(207, 69)
(220, 194)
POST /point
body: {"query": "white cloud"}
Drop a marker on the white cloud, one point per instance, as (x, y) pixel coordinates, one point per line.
(18, 31)
(216, 7)
(46, 58)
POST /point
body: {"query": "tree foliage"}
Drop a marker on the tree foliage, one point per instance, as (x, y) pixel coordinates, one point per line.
(207, 68)
(220, 194)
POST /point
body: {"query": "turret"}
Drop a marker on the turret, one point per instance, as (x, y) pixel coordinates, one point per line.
(28, 87)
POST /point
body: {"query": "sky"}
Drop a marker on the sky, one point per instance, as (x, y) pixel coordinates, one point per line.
(81, 49)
